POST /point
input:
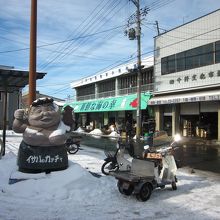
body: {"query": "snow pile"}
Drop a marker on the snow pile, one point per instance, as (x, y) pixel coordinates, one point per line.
(114, 134)
(10, 133)
(112, 128)
(79, 129)
(75, 193)
(96, 131)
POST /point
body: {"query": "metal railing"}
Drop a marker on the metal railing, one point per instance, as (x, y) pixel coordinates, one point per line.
(113, 93)
(106, 94)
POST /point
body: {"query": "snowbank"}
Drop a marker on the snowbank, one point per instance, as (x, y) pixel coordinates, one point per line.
(10, 133)
(79, 129)
(114, 134)
(96, 131)
(75, 193)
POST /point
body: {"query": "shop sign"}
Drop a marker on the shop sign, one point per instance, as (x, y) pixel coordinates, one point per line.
(100, 105)
(185, 99)
(195, 77)
(128, 102)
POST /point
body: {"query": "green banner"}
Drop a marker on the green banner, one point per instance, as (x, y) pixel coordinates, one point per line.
(120, 103)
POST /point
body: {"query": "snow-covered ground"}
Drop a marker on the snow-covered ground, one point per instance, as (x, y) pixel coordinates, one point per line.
(77, 194)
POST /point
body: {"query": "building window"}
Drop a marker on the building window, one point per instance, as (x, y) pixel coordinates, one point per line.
(164, 65)
(86, 90)
(128, 82)
(200, 56)
(180, 61)
(171, 64)
(107, 86)
(217, 52)
(190, 59)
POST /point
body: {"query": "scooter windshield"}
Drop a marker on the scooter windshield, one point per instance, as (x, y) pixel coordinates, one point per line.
(161, 138)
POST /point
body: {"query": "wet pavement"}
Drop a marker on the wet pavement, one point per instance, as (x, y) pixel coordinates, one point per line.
(199, 154)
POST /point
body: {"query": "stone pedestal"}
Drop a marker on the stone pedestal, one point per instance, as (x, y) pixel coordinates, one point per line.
(36, 159)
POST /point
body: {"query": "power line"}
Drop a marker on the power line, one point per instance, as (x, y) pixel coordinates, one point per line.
(60, 42)
(85, 41)
(82, 31)
(66, 46)
(149, 52)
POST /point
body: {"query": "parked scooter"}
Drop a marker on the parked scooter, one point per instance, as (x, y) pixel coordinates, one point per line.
(72, 145)
(165, 164)
(117, 161)
(156, 169)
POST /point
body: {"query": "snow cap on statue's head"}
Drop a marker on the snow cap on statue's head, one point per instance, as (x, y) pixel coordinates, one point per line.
(44, 100)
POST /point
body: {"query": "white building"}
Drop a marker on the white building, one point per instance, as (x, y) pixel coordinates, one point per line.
(187, 78)
(111, 96)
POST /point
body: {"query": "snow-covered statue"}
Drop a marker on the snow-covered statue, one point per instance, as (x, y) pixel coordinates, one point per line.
(44, 136)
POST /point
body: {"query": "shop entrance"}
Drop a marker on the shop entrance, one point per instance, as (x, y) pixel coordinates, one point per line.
(189, 125)
(208, 125)
(168, 124)
(204, 125)
(128, 117)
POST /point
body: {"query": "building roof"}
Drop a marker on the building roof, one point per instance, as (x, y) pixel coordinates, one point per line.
(187, 23)
(147, 62)
(12, 79)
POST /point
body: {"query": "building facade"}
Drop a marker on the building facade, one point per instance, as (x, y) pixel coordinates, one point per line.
(111, 97)
(187, 78)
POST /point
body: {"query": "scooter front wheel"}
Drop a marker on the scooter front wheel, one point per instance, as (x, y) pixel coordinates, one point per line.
(109, 166)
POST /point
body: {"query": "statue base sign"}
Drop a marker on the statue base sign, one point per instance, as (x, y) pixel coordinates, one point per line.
(37, 159)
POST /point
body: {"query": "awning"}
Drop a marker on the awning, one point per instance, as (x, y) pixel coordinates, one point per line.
(13, 80)
(186, 97)
(120, 103)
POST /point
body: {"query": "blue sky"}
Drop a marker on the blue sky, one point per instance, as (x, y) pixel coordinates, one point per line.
(80, 38)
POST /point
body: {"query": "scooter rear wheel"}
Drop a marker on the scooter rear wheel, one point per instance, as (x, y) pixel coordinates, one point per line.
(145, 192)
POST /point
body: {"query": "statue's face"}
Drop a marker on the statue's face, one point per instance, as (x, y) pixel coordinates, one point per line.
(44, 116)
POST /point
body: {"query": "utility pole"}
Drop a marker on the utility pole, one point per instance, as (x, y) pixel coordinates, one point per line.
(33, 44)
(136, 33)
(158, 30)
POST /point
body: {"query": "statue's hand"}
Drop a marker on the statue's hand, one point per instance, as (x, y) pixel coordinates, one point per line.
(19, 114)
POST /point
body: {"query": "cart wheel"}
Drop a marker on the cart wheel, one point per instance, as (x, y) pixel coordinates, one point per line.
(162, 186)
(128, 191)
(174, 187)
(144, 193)
(120, 189)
